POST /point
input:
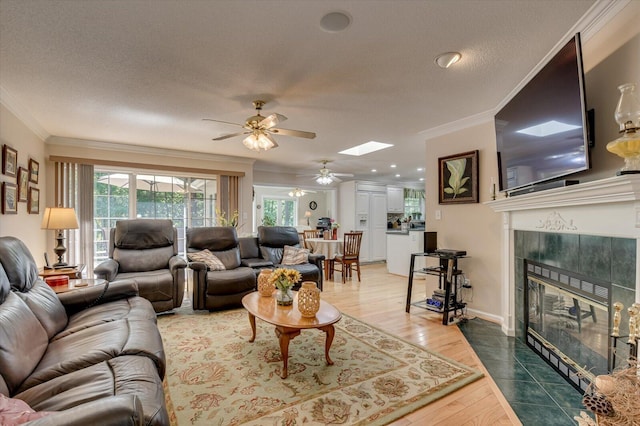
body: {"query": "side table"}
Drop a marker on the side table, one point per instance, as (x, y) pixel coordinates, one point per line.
(78, 283)
(73, 272)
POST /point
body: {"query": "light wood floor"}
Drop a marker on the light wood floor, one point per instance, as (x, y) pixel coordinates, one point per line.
(380, 301)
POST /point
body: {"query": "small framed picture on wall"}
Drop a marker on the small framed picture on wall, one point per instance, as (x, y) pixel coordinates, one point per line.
(33, 206)
(23, 184)
(9, 198)
(9, 161)
(34, 171)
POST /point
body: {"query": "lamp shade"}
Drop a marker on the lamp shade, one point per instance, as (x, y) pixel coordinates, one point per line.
(59, 218)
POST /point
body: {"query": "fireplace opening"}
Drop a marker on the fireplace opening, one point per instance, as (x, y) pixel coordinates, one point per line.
(567, 321)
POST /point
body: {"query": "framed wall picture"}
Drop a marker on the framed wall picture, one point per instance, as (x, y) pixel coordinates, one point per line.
(34, 171)
(23, 184)
(9, 198)
(9, 161)
(458, 178)
(33, 206)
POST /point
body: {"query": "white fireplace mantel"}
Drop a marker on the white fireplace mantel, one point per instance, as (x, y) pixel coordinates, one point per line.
(607, 207)
(618, 189)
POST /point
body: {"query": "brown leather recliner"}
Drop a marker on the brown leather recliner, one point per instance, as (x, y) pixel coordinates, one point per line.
(92, 356)
(146, 251)
(214, 290)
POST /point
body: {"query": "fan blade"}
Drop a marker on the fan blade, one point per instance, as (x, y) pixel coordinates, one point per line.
(224, 122)
(271, 120)
(230, 135)
(342, 174)
(289, 132)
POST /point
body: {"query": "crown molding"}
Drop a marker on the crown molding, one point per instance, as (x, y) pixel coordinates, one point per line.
(23, 114)
(463, 123)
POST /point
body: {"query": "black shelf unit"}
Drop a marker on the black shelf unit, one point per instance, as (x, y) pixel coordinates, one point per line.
(446, 271)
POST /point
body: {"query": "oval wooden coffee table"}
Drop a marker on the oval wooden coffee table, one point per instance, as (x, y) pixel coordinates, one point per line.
(289, 322)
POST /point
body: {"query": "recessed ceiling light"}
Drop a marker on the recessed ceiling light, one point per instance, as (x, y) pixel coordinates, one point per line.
(421, 179)
(366, 148)
(420, 169)
(393, 166)
(445, 60)
(397, 175)
(335, 22)
(373, 170)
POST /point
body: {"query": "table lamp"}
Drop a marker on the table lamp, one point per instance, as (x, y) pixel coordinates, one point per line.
(59, 219)
(307, 214)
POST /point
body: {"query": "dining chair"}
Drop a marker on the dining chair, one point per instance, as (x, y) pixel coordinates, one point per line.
(311, 233)
(350, 256)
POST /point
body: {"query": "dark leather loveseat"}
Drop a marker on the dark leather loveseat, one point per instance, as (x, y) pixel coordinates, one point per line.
(89, 356)
(243, 258)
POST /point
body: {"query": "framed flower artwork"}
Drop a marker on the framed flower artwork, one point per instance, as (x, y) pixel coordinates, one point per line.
(458, 178)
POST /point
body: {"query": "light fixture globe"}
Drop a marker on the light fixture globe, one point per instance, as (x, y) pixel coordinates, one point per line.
(627, 115)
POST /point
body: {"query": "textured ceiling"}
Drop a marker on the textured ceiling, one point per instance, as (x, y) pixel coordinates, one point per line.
(147, 72)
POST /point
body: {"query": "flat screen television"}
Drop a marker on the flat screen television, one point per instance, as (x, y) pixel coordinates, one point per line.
(542, 132)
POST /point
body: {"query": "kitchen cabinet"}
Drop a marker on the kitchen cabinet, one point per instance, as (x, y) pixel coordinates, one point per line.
(395, 199)
(362, 206)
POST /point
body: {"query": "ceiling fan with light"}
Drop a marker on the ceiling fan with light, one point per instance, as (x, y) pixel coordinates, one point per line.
(326, 177)
(297, 192)
(260, 129)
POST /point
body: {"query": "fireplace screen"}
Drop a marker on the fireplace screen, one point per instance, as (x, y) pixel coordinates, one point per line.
(568, 322)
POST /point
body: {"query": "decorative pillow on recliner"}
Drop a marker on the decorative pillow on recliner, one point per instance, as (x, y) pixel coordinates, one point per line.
(208, 258)
(295, 256)
(15, 411)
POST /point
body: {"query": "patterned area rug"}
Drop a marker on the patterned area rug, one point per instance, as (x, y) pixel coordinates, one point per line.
(216, 377)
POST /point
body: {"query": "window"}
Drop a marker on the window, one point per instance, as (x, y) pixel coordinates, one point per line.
(187, 201)
(279, 211)
(413, 203)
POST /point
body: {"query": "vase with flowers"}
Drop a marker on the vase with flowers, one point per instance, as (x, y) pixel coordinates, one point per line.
(334, 229)
(284, 280)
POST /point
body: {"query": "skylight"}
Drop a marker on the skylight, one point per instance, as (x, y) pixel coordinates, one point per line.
(549, 128)
(366, 148)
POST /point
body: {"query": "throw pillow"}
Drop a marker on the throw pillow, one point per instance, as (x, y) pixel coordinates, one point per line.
(295, 256)
(15, 411)
(208, 258)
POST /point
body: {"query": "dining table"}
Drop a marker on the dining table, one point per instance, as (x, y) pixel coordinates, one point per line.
(330, 248)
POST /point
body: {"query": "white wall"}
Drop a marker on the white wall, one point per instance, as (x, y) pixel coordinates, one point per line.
(23, 225)
(471, 227)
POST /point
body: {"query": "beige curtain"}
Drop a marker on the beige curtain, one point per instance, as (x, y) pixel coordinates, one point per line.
(74, 188)
(228, 195)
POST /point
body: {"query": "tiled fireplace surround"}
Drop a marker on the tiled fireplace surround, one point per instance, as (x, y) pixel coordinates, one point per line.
(592, 229)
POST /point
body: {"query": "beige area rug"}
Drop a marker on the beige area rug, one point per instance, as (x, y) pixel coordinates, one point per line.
(216, 377)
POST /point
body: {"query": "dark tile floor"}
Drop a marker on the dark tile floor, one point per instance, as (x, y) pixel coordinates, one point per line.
(537, 394)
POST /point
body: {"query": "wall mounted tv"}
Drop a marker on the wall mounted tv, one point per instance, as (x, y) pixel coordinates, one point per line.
(542, 132)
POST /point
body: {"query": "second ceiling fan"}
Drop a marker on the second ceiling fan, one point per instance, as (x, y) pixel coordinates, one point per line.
(326, 177)
(260, 129)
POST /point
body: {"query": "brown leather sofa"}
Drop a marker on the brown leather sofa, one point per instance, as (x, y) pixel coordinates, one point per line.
(89, 356)
(146, 251)
(243, 258)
